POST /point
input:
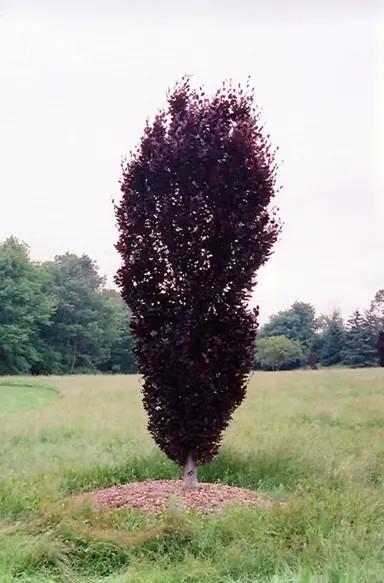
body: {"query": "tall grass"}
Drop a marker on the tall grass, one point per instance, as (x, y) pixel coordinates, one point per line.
(313, 439)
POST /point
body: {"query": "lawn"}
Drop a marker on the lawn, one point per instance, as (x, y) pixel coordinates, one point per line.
(18, 396)
(313, 439)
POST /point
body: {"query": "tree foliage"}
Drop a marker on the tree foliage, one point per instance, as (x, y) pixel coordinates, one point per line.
(330, 342)
(326, 339)
(278, 352)
(375, 316)
(360, 347)
(298, 323)
(120, 340)
(24, 308)
(82, 320)
(194, 227)
(380, 347)
(377, 309)
(57, 317)
(41, 302)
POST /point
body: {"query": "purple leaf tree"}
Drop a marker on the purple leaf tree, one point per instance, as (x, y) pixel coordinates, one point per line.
(195, 224)
(380, 347)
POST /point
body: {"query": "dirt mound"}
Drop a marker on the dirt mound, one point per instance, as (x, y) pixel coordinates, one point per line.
(155, 496)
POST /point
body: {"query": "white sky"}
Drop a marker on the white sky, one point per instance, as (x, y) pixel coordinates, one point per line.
(77, 81)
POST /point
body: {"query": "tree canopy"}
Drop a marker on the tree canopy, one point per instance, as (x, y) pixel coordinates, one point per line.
(57, 317)
(25, 307)
(278, 352)
(297, 323)
(195, 225)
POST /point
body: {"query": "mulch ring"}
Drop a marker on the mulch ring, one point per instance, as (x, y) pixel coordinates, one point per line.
(155, 495)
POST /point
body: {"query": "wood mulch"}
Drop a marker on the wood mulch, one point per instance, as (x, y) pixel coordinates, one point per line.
(155, 495)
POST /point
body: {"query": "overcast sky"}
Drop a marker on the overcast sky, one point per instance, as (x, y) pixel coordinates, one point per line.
(77, 81)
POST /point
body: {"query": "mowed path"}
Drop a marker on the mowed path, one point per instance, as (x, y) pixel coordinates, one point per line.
(18, 396)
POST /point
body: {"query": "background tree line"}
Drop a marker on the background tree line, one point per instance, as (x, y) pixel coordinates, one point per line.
(58, 317)
(292, 336)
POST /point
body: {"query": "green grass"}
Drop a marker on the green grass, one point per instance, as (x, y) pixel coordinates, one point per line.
(314, 439)
(17, 397)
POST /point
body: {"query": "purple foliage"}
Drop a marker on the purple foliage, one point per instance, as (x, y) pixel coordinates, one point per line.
(380, 346)
(195, 225)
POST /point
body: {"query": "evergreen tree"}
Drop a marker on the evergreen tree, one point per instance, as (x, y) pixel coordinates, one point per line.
(332, 341)
(360, 349)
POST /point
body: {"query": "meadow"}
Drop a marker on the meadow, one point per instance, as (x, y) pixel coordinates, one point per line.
(311, 439)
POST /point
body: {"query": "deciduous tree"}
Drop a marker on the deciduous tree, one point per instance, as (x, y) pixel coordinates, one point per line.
(24, 307)
(277, 352)
(195, 224)
(380, 347)
(297, 323)
(81, 325)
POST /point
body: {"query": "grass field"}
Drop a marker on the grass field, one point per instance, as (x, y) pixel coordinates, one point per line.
(312, 439)
(16, 396)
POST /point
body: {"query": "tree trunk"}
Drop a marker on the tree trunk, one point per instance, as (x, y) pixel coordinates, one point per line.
(190, 474)
(74, 356)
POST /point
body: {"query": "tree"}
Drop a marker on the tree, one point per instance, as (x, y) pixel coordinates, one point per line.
(313, 361)
(375, 316)
(277, 352)
(195, 225)
(24, 308)
(297, 323)
(331, 340)
(83, 325)
(377, 308)
(380, 347)
(57, 317)
(121, 358)
(360, 346)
